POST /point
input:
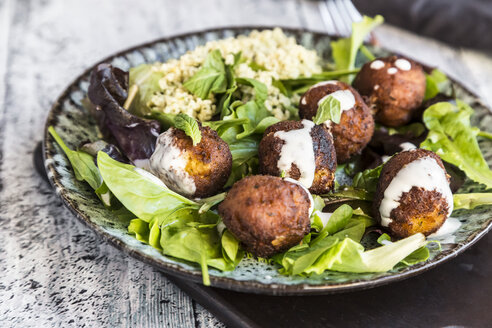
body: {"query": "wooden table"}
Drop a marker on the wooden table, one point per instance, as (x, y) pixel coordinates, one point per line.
(54, 271)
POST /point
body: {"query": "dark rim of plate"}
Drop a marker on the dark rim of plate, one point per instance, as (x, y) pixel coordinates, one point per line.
(223, 282)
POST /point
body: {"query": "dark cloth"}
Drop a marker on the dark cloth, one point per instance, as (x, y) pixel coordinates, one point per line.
(462, 23)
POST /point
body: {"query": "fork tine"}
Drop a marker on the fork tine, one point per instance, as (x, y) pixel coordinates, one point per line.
(337, 18)
(344, 15)
(352, 11)
(326, 17)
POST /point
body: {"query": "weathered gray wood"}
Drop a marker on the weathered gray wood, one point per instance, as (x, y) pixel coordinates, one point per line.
(54, 271)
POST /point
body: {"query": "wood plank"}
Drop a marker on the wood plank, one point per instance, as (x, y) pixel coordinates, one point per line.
(6, 9)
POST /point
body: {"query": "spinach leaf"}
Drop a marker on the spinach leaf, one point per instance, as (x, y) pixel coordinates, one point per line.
(223, 125)
(144, 83)
(260, 89)
(244, 158)
(142, 195)
(367, 179)
(345, 50)
(166, 120)
(329, 109)
(140, 229)
(453, 138)
(84, 168)
(258, 119)
(211, 78)
(190, 126)
(436, 82)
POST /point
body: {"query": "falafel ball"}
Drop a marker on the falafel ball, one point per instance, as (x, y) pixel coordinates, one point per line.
(394, 88)
(356, 126)
(193, 171)
(267, 214)
(303, 151)
(413, 194)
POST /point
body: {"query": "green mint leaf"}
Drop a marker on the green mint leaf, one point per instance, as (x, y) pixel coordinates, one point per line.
(261, 91)
(211, 78)
(190, 126)
(328, 109)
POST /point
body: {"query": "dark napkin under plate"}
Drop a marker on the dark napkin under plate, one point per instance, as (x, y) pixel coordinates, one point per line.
(456, 293)
(461, 23)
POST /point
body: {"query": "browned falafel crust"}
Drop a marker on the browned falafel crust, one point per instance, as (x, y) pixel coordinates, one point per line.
(393, 97)
(356, 125)
(267, 214)
(209, 162)
(420, 210)
(270, 149)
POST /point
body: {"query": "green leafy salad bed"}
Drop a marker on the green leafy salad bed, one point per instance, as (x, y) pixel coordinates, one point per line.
(130, 117)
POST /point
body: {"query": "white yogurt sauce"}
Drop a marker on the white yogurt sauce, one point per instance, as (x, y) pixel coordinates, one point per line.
(392, 70)
(142, 163)
(407, 146)
(311, 201)
(319, 84)
(446, 231)
(298, 149)
(403, 64)
(345, 97)
(324, 217)
(377, 64)
(168, 163)
(221, 227)
(424, 173)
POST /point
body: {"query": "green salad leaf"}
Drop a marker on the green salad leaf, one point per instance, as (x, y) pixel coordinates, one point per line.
(349, 256)
(260, 89)
(144, 83)
(367, 179)
(258, 119)
(472, 200)
(211, 78)
(452, 137)
(84, 168)
(415, 129)
(303, 83)
(345, 50)
(436, 82)
(328, 109)
(169, 222)
(190, 126)
(147, 198)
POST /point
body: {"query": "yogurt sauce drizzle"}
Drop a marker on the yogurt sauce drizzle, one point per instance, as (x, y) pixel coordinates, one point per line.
(168, 163)
(403, 64)
(298, 150)
(345, 97)
(424, 173)
(446, 231)
(407, 146)
(311, 201)
(324, 83)
(377, 64)
(392, 70)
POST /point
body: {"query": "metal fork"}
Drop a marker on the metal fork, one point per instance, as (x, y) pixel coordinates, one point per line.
(338, 16)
